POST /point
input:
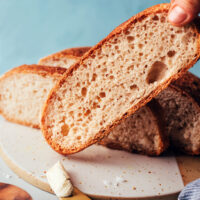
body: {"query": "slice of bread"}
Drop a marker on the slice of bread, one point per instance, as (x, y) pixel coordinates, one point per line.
(181, 104)
(116, 77)
(23, 91)
(142, 132)
(64, 58)
(184, 138)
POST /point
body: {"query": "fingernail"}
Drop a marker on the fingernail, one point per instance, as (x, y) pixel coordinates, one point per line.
(177, 15)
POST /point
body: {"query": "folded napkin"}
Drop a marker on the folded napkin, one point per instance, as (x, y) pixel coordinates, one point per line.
(191, 191)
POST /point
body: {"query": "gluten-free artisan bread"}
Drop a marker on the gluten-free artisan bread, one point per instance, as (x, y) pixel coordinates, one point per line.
(116, 77)
(181, 104)
(142, 132)
(24, 90)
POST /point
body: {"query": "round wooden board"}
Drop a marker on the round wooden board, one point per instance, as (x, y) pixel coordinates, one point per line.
(96, 171)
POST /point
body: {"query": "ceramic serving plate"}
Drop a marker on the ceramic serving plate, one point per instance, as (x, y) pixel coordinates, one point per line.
(96, 171)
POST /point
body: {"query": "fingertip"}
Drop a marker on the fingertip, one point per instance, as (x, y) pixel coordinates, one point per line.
(178, 16)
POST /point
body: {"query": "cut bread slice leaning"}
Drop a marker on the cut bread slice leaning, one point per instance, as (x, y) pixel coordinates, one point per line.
(23, 91)
(64, 58)
(181, 105)
(142, 132)
(176, 100)
(116, 77)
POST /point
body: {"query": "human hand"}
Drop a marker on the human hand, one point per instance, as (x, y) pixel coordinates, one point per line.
(183, 11)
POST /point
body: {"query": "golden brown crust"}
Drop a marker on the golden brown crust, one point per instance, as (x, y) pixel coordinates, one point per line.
(71, 53)
(37, 69)
(103, 132)
(43, 71)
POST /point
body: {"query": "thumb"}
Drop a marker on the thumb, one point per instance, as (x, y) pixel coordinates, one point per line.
(183, 11)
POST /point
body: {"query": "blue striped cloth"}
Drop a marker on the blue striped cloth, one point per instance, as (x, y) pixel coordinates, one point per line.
(191, 191)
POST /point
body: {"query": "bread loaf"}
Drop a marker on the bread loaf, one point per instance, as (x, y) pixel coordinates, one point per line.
(23, 91)
(181, 102)
(116, 77)
(142, 132)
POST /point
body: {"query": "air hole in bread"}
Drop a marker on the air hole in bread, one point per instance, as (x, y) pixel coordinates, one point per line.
(78, 85)
(95, 105)
(131, 46)
(78, 137)
(104, 70)
(111, 77)
(140, 54)
(133, 87)
(130, 38)
(173, 36)
(156, 72)
(162, 19)
(140, 45)
(126, 32)
(179, 31)
(102, 94)
(65, 129)
(87, 112)
(131, 67)
(94, 76)
(155, 18)
(84, 91)
(162, 58)
(171, 53)
(71, 113)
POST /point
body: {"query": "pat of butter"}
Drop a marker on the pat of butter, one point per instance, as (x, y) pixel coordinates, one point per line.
(59, 180)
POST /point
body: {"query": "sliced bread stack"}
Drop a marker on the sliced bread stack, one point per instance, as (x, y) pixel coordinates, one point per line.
(116, 77)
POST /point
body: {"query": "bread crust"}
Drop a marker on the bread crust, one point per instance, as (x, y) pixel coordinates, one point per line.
(71, 53)
(43, 71)
(105, 131)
